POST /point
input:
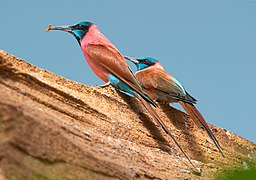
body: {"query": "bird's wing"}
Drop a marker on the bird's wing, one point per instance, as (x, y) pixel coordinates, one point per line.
(160, 81)
(114, 63)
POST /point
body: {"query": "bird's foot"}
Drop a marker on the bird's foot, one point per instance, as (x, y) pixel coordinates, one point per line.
(104, 85)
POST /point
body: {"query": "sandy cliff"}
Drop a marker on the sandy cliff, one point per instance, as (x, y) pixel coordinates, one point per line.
(54, 128)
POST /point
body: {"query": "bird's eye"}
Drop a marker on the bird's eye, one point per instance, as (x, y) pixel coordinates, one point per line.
(148, 62)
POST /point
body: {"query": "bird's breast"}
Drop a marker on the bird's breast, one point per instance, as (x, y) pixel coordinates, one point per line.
(97, 68)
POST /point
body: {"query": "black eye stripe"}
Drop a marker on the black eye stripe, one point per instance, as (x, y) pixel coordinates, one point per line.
(147, 62)
(79, 26)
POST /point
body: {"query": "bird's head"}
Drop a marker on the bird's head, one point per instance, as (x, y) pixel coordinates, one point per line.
(79, 30)
(142, 63)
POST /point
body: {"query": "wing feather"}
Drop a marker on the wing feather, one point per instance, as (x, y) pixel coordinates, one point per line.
(159, 81)
(114, 63)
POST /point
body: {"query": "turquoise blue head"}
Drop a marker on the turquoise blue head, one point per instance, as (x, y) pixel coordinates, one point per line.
(78, 30)
(142, 63)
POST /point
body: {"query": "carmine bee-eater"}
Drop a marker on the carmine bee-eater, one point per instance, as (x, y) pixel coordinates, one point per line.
(110, 66)
(161, 86)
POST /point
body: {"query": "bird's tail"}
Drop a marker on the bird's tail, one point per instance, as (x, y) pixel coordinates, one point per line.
(161, 123)
(200, 122)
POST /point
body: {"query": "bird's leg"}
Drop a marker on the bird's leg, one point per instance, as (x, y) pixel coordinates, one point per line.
(104, 85)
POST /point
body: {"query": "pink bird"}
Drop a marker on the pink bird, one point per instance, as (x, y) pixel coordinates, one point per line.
(163, 87)
(110, 66)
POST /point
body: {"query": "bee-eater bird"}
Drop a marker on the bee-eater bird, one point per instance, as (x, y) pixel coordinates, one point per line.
(161, 86)
(110, 66)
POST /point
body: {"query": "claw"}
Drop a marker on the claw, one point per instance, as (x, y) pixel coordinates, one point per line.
(104, 85)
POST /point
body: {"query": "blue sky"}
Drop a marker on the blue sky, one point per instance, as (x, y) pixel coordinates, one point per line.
(209, 46)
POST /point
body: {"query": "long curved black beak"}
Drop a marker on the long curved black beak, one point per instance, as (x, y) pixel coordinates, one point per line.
(60, 28)
(132, 59)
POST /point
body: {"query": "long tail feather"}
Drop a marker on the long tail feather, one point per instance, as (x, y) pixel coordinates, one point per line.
(200, 122)
(161, 124)
(147, 98)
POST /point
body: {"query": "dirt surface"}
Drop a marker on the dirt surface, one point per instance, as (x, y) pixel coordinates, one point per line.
(54, 128)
